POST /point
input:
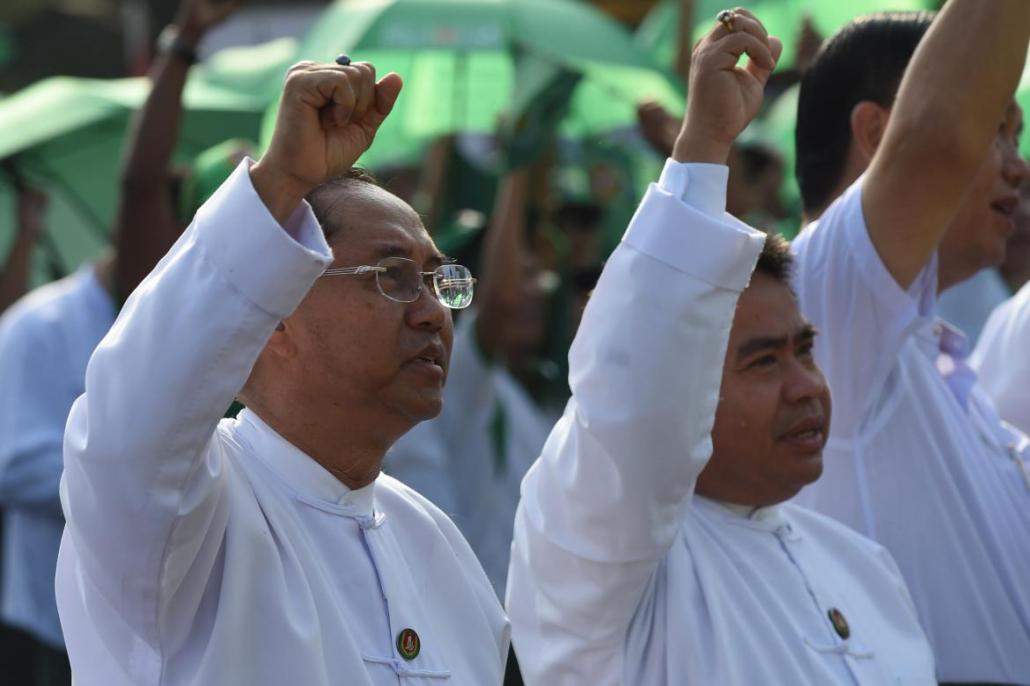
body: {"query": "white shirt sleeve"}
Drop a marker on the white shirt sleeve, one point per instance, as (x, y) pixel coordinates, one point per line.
(144, 482)
(863, 316)
(1002, 359)
(602, 505)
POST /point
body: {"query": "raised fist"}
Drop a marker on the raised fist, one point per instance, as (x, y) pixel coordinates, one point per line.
(328, 116)
(723, 98)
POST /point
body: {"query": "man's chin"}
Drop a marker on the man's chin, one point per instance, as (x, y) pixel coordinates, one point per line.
(426, 406)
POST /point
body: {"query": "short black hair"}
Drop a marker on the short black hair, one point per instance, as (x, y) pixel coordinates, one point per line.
(325, 196)
(865, 60)
(776, 259)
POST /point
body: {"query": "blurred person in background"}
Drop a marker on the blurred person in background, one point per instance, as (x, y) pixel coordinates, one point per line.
(756, 169)
(17, 648)
(47, 337)
(30, 210)
(1015, 269)
(1002, 356)
(494, 421)
(907, 160)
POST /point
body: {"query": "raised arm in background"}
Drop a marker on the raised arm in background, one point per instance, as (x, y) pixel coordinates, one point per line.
(949, 106)
(147, 222)
(14, 278)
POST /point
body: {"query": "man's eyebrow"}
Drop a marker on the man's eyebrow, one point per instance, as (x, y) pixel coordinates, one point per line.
(391, 250)
(760, 343)
(398, 250)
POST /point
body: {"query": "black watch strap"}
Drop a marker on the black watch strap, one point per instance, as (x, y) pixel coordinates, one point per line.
(171, 44)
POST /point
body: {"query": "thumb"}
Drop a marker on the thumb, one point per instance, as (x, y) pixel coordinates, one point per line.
(387, 90)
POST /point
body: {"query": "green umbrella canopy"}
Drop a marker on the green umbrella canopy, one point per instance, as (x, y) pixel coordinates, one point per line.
(458, 59)
(782, 18)
(1023, 98)
(66, 136)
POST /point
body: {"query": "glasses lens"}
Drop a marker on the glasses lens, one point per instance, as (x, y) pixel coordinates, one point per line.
(399, 279)
(454, 286)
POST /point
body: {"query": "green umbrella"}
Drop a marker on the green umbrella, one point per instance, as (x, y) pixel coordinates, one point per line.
(66, 135)
(1023, 98)
(782, 18)
(459, 61)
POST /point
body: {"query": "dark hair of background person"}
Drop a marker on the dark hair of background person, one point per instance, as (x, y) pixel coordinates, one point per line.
(324, 197)
(865, 60)
(776, 259)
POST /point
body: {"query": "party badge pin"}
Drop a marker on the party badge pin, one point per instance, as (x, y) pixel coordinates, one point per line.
(408, 644)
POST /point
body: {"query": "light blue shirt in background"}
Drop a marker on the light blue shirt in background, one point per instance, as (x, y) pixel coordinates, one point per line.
(46, 339)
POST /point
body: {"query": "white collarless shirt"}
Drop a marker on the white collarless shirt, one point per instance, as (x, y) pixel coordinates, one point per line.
(1002, 361)
(619, 575)
(207, 552)
(917, 458)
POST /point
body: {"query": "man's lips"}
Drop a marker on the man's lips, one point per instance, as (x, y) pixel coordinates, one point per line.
(1007, 207)
(808, 434)
(431, 355)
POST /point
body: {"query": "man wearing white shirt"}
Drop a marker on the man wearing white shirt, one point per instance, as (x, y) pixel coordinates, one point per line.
(1002, 360)
(915, 188)
(653, 544)
(269, 549)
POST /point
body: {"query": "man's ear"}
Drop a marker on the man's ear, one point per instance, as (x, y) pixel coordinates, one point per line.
(868, 124)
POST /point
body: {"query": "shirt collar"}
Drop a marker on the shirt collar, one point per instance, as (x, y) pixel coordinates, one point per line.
(309, 480)
(769, 518)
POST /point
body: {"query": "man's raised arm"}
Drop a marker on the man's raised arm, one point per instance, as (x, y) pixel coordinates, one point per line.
(144, 479)
(147, 223)
(602, 505)
(949, 106)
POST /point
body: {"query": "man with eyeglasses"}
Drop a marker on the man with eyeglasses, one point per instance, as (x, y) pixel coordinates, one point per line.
(269, 549)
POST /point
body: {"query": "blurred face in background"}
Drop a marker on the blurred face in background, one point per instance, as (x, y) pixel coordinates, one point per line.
(977, 236)
(1016, 267)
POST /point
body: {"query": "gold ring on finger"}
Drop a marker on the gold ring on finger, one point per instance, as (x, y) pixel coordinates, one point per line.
(726, 17)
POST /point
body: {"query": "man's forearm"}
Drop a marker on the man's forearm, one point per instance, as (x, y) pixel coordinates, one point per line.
(14, 281)
(155, 129)
(962, 75)
(947, 113)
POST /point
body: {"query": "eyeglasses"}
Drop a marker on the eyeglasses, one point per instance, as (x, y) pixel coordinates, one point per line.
(400, 280)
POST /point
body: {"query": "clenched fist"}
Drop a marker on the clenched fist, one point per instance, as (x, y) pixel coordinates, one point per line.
(328, 116)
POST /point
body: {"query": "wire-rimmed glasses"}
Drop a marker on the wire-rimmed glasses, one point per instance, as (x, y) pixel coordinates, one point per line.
(400, 280)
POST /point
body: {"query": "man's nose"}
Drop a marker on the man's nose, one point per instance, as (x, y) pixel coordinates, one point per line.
(427, 312)
(1015, 168)
(805, 381)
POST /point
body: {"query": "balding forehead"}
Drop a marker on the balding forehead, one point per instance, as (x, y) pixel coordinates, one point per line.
(342, 207)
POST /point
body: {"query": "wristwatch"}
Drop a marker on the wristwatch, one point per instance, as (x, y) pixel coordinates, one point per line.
(171, 44)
